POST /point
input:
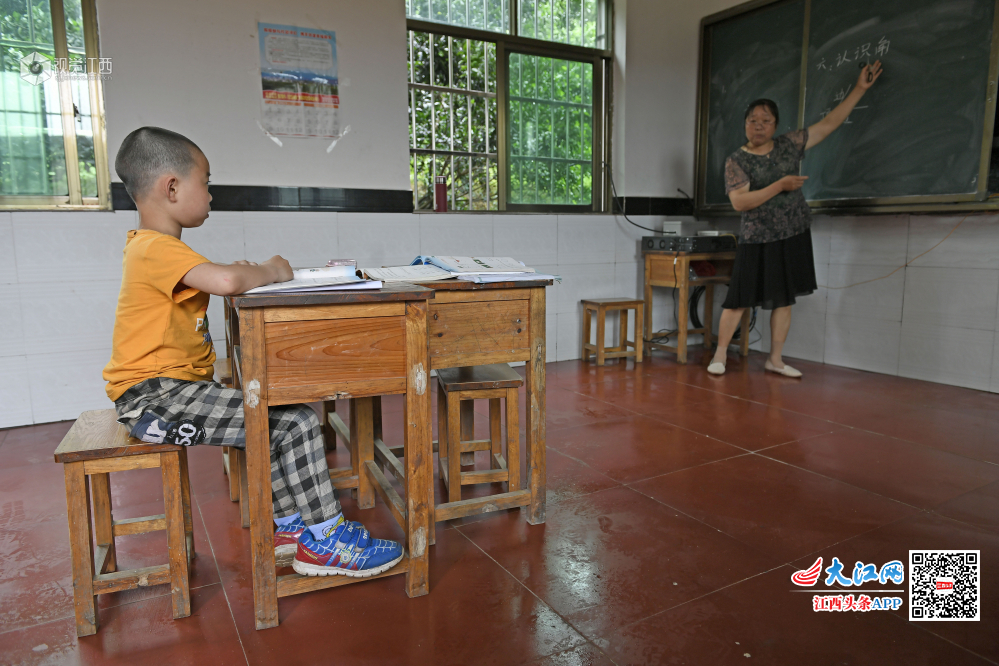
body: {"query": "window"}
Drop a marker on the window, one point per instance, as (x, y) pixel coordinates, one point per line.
(52, 148)
(512, 119)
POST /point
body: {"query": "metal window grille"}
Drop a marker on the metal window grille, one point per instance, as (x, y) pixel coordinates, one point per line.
(52, 145)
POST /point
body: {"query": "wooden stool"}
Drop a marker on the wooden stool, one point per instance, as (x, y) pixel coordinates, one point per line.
(601, 306)
(95, 446)
(496, 383)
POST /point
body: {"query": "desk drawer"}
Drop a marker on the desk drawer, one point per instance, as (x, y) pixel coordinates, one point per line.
(479, 327)
(303, 353)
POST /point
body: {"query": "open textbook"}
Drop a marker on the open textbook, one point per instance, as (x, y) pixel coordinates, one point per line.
(460, 266)
(420, 273)
(327, 278)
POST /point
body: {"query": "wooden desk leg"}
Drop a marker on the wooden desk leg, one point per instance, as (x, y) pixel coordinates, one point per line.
(536, 460)
(329, 434)
(622, 344)
(185, 487)
(709, 313)
(419, 452)
(81, 548)
(362, 432)
(258, 467)
(682, 294)
(467, 411)
(646, 332)
(587, 322)
(744, 337)
(639, 327)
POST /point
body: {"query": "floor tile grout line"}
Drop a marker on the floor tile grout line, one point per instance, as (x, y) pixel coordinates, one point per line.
(536, 596)
(832, 478)
(920, 627)
(706, 594)
(225, 593)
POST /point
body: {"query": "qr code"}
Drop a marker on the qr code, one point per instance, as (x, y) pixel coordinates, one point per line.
(944, 585)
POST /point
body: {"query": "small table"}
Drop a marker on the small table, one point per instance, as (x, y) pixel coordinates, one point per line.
(499, 322)
(672, 269)
(317, 346)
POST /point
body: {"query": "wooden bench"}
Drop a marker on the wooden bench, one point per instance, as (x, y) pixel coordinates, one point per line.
(94, 447)
(497, 383)
(601, 306)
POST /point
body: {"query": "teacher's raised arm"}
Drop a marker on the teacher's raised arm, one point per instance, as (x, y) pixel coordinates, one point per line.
(820, 130)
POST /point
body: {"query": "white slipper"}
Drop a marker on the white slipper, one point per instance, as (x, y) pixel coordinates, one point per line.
(787, 370)
(717, 368)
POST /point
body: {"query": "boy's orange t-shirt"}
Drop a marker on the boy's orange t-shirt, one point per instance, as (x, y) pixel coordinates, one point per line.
(161, 325)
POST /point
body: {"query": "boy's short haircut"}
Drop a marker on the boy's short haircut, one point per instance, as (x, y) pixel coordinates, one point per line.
(148, 153)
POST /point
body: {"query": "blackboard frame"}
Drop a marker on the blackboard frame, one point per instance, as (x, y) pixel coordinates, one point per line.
(978, 200)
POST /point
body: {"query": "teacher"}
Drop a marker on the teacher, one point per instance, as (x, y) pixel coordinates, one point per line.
(773, 262)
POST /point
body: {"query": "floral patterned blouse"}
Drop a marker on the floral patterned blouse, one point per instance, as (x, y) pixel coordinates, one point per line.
(787, 214)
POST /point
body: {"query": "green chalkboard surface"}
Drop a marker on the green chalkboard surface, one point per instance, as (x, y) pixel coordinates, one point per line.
(752, 56)
(921, 135)
(919, 130)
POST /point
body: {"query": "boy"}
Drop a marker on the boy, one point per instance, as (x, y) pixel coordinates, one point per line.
(160, 371)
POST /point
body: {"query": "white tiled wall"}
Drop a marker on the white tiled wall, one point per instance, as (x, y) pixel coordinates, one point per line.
(936, 320)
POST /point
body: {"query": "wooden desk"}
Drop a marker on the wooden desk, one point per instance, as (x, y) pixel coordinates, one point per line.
(502, 322)
(672, 269)
(294, 348)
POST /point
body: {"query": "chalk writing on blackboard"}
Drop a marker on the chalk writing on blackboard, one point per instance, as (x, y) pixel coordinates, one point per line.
(859, 52)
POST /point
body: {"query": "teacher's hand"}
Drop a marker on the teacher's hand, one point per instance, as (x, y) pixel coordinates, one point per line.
(791, 183)
(868, 75)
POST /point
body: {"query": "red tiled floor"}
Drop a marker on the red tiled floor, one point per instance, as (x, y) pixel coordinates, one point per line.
(638, 447)
(612, 557)
(916, 475)
(727, 478)
(780, 510)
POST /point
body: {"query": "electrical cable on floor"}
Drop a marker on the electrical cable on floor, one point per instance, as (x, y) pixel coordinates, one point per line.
(620, 205)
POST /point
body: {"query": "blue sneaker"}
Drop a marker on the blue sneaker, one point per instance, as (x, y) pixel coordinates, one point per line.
(286, 541)
(348, 550)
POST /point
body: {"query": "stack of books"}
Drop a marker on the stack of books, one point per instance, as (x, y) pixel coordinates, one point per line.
(474, 269)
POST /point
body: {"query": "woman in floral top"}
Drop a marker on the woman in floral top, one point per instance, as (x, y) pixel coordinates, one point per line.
(773, 263)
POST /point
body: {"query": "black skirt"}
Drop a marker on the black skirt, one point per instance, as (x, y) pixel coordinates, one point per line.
(771, 275)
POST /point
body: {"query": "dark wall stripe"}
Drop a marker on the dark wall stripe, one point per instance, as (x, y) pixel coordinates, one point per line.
(255, 197)
(658, 206)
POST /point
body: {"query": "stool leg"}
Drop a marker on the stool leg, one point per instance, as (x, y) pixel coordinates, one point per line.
(100, 488)
(81, 547)
(587, 319)
(601, 320)
(512, 440)
(467, 430)
(244, 488)
(453, 447)
(173, 507)
(329, 434)
(185, 487)
(233, 454)
(441, 431)
(495, 434)
(639, 327)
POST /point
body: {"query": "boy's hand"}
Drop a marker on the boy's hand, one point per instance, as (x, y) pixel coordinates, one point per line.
(281, 267)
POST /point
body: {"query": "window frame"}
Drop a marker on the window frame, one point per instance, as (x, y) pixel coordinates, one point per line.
(509, 43)
(75, 199)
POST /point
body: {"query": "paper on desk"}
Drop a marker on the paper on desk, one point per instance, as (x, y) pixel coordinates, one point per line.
(474, 265)
(417, 273)
(318, 284)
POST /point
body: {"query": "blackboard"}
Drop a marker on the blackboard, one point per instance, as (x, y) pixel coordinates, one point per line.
(921, 135)
(752, 56)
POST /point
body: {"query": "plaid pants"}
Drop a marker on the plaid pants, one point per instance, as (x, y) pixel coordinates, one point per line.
(300, 479)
